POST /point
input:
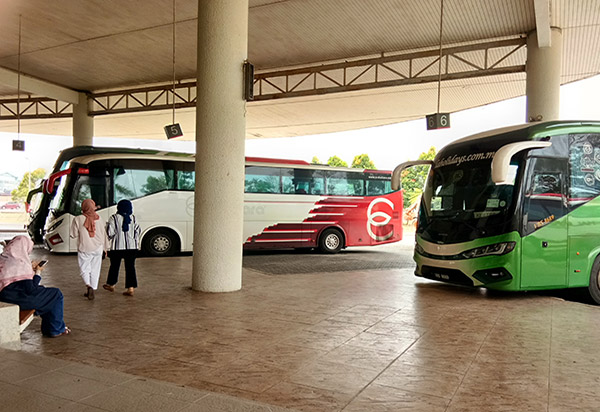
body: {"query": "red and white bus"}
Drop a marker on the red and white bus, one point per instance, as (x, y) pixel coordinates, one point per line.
(287, 203)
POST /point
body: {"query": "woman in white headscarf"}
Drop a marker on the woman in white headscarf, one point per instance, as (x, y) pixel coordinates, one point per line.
(20, 285)
(92, 243)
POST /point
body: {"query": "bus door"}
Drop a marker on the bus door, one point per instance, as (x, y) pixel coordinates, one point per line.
(544, 244)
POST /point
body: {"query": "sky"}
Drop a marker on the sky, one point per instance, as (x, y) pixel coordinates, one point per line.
(387, 146)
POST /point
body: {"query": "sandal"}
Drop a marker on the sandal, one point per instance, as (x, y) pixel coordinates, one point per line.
(108, 287)
(66, 332)
(128, 292)
(89, 294)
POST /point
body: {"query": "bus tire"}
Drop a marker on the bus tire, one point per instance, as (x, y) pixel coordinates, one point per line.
(161, 242)
(331, 241)
(594, 285)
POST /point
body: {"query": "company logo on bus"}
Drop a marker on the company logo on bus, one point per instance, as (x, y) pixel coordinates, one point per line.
(379, 215)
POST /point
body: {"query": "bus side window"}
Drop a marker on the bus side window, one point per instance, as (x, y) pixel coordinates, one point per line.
(133, 183)
(345, 184)
(375, 187)
(584, 170)
(287, 181)
(262, 180)
(186, 180)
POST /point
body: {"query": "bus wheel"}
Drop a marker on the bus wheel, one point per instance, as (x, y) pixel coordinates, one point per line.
(594, 286)
(331, 241)
(160, 242)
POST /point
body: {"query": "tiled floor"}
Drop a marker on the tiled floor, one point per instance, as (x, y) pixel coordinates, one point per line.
(376, 340)
(32, 383)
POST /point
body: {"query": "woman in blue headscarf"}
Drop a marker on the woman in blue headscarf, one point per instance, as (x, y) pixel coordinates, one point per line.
(124, 234)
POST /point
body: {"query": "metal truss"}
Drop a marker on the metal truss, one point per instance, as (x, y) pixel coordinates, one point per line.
(461, 62)
(34, 108)
(144, 99)
(422, 67)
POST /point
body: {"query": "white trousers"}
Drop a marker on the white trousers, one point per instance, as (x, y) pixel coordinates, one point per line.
(90, 264)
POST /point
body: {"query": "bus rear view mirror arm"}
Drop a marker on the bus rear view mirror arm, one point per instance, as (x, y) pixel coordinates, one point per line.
(396, 178)
(501, 160)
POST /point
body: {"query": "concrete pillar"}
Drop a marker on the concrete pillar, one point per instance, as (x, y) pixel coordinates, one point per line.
(220, 136)
(543, 77)
(10, 337)
(83, 124)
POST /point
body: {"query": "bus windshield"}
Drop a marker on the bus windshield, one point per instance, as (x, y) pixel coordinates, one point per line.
(58, 202)
(460, 202)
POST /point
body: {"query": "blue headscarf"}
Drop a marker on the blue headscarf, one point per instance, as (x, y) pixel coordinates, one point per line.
(125, 209)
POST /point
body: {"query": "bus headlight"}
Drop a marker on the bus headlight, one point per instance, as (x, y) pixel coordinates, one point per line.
(495, 249)
(419, 249)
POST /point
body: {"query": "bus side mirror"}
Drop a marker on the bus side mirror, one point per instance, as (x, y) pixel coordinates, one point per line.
(396, 175)
(501, 160)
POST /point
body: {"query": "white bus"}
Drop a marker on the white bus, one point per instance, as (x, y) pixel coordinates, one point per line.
(287, 204)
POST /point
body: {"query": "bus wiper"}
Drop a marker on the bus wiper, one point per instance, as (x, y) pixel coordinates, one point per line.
(478, 230)
(450, 215)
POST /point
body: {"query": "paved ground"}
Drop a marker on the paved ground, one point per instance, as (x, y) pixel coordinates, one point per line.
(290, 262)
(375, 339)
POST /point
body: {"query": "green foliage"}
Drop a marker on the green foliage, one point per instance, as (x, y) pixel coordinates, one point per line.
(20, 193)
(335, 161)
(315, 161)
(154, 184)
(362, 161)
(268, 184)
(413, 178)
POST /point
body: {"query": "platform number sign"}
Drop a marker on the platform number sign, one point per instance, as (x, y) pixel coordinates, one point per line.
(19, 145)
(173, 130)
(438, 121)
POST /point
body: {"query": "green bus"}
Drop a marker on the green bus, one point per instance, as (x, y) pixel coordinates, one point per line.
(513, 209)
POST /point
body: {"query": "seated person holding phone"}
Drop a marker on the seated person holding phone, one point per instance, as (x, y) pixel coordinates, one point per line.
(20, 285)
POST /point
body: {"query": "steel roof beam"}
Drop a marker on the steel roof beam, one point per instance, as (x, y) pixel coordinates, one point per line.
(542, 22)
(38, 87)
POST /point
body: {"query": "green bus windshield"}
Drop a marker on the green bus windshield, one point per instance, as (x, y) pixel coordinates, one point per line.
(460, 202)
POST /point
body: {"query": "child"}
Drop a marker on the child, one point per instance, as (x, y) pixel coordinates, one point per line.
(92, 243)
(124, 234)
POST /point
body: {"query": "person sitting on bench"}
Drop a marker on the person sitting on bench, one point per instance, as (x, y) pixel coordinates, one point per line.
(20, 285)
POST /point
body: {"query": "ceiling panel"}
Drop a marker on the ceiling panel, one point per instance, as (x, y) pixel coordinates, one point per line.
(97, 45)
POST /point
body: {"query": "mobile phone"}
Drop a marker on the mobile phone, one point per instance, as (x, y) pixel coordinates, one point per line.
(42, 263)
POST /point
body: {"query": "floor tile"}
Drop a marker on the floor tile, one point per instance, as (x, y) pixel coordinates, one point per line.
(127, 400)
(64, 385)
(421, 380)
(475, 401)
(305, 398)
(334, 376)
(377, 398)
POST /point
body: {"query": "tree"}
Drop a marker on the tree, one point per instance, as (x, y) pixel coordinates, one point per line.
(362, 161)
(20, 193)
(315, 161)
(335, 161)
(413, 178)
